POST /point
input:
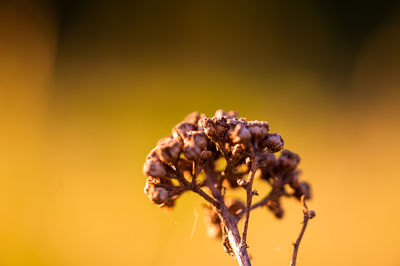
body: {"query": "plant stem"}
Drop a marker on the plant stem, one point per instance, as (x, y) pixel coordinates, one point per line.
(249, 192)
(307, 216)
(229, 221)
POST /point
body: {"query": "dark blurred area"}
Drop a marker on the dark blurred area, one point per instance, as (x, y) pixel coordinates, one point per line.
(259, 36)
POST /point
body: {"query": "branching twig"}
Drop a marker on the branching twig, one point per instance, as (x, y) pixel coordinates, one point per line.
(307, 216)
(196, 145)
(249, 193)
(195, 188)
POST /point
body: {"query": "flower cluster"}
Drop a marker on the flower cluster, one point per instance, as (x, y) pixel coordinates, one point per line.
(282, 173)
(189, 160)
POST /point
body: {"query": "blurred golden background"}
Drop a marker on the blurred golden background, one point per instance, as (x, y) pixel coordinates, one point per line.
(88, 87)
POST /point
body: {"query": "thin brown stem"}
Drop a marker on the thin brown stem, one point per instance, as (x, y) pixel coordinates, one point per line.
(195, 188)
(263, 202)
(249, 194)
(208, 198)
(307, 216)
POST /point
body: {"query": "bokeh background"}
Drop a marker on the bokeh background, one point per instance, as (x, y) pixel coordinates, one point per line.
(88, 87)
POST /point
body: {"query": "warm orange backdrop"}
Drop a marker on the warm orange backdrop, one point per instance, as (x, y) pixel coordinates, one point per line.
(77, 121)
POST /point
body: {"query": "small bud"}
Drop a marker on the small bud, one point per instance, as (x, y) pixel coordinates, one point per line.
(192, 118)
(254, 193)
(191, 151)
(312, 214)
(264, 158)
(279, 213)
(259, 130)
(274, 142)
(240, 134)
(276, 208)
(181, 129)
(154, 168)
(292, 178)
(168, 150)
(158, 195)
(303, 188)
(235, 206)
(199, 137)
(288, 159)
(205, 155)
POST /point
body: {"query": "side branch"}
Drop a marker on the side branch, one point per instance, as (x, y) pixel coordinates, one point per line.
(206, 196)
(195, 187)
(272, 195)
(307, 216)
(249, 192)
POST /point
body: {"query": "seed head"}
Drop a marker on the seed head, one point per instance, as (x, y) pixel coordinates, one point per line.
(244, 145)
(274, 142)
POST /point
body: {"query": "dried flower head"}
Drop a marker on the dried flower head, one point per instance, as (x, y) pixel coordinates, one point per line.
(190, 160)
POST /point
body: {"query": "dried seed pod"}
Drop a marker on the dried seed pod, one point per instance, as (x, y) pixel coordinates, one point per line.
(240, 134)
(276, 208)
(155, 168)
(264, 158)
(156, 194)
(192, 118)
(180, 131)
(192, 151)
(274, 142)
(289, 160)
(168, 150)
(303, 188)
(235, 206)
(259, 130)
(215, 127)
(292, 178)
(199, 138)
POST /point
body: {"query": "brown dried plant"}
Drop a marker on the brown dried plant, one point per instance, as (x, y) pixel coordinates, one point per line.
(190, 160)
